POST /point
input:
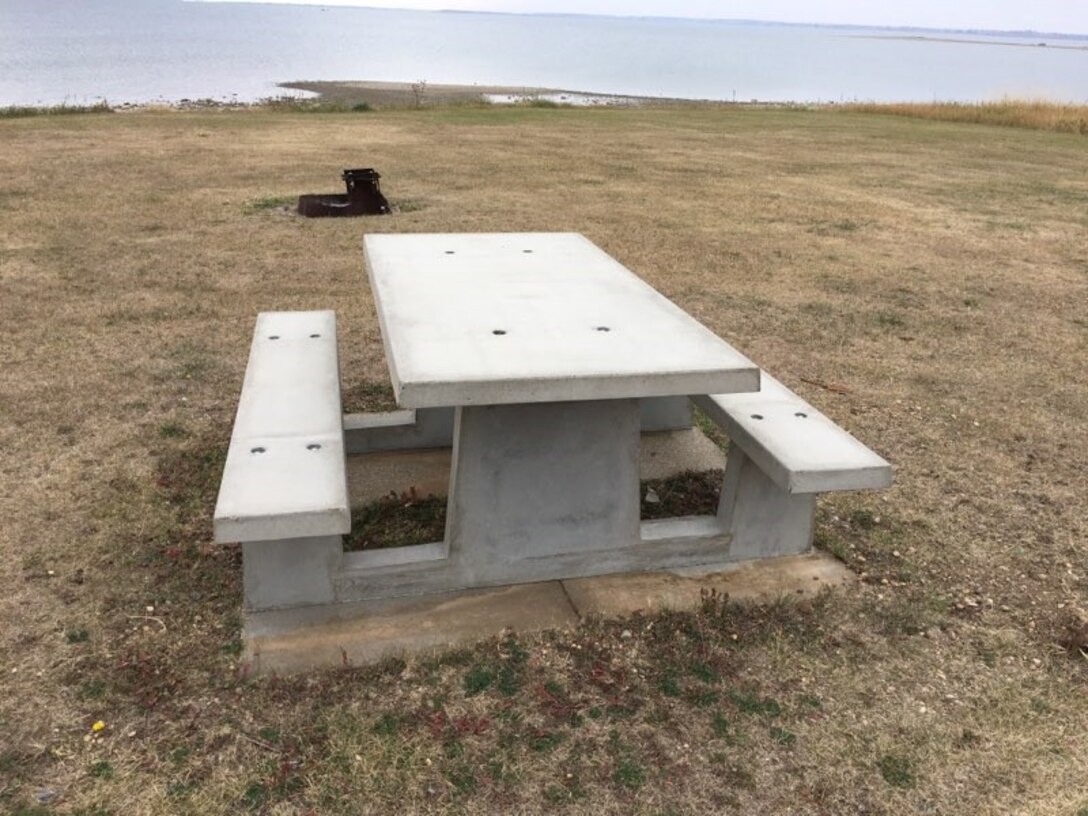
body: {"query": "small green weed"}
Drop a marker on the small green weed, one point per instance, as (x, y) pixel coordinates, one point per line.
(269, 734)
(782, 736)
(172, 430)
(710, 429)
(77, 636)
(752, 704)
(101, 770)
(720, 725)
(897, 771)
(91, 689)
(703, 672)
(462, 779)
(544, 741)
(669, 685)
(508, 681)
(629, 774)
(477, 680)
(388, 724)
(255, 795)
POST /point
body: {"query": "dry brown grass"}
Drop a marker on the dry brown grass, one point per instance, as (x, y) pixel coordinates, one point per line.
(938, 271)
(1036, 114)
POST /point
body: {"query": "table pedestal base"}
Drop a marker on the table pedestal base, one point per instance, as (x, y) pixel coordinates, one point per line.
(530, 482)
(538, 492)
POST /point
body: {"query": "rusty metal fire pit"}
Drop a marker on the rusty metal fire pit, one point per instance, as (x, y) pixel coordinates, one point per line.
(363, 197)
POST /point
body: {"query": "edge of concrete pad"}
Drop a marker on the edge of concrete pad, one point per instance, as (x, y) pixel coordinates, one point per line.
(296, 640)
(618, 595)
(288, 641)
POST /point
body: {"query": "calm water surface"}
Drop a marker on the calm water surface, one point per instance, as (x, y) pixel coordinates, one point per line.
(79, 51)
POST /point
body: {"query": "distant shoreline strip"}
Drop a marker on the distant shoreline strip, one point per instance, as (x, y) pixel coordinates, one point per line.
(920, 38)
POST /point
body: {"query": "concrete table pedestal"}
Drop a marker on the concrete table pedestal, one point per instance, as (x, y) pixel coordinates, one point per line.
(533, 482)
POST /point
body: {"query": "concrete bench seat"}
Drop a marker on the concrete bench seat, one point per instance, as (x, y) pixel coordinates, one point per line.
(784, 451)
(284, 491)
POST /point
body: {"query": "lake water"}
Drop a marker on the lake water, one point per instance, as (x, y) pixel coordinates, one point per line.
(80, 51)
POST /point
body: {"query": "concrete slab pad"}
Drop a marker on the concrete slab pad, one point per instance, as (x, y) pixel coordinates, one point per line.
(487, 319)
(373, 475)
(617, 595)
(289, 641)
(665, 454)
(297, 640)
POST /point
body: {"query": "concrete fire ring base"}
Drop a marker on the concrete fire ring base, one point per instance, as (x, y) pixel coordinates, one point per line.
(297, 640)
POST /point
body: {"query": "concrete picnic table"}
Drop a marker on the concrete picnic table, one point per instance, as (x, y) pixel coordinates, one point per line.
(539, 359)
(544, 345)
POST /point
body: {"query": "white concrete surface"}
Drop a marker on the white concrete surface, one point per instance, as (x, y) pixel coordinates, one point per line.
(763, 519)
(285, 476)
(485, 319)
(300, 639)
(800, 449)
(530, 482)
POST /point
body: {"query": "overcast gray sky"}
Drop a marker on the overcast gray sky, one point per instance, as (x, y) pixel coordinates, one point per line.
(1039, 15)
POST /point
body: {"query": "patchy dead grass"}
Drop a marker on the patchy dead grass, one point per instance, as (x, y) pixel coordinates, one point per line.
(1036, 114)
(923, 283)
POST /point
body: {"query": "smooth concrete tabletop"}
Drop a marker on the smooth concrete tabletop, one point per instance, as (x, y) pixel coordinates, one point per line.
(494, 318)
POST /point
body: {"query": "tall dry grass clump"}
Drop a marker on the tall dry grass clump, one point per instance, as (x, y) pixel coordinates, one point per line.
(1037, 114)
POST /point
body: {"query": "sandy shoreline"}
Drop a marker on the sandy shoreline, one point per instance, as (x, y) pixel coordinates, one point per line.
(399, 94)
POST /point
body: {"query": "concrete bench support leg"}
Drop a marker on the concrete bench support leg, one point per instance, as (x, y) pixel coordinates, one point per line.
(665, 414)
(290, 572)
(530, 482)
(764, 519)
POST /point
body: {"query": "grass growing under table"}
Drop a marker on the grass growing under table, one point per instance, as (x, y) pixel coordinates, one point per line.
(401, 520)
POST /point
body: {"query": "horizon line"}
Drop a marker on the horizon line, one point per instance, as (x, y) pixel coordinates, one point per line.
(1014, 32)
